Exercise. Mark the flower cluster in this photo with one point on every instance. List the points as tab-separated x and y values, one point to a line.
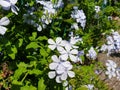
79	16
113	43
62	69
61	66
112	70
50	9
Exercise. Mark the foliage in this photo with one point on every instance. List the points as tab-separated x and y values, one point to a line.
24	52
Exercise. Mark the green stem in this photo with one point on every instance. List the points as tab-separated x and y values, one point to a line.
24	77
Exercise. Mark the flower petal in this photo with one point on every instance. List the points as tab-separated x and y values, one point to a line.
60	49
55	58
5	4
50	41
71	74
51	74
64	76
3	30
58	40
58	80
74	51
60	69
53	66
13	1
64	56
73	58
66	64
52	47
14	9
4	21
67	47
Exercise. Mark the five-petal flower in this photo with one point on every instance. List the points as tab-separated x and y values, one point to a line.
55	44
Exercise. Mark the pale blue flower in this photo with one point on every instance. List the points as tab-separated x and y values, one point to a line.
9	4
3	22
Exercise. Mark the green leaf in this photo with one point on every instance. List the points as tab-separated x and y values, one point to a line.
15	82
41	38
19	42
33	37
43	52
33	45
21	69
69	21
28	87
35	71
41	85
12	51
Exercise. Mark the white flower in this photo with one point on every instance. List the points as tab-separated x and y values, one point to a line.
56	44
97	9
3	22
111	69
68	52
118	73
111	65
67	73
9	4
39	28
61	69
92	54
65	83
104	48
58	63
90	86
51	74
79	16
110	73
109	40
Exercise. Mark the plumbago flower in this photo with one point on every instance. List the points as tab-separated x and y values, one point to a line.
61	69
111	69
118	73
90	86
9	4
68	52
56	44
3	22
79	16
48	11
92	54
113	43
97	9
73	40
